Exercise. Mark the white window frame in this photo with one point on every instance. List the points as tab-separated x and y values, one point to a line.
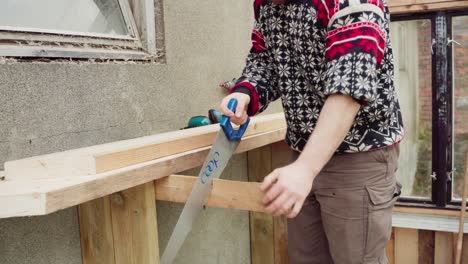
140	45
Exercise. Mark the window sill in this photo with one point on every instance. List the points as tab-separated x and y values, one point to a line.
72	52
427	219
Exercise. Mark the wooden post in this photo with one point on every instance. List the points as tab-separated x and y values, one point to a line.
443	248
120	228
282	155
261	224
406	245
390	248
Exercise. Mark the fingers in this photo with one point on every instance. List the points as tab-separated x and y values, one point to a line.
286	207
296	209
272	193
238	118
269	180
224	107
283	204
277	204
240	109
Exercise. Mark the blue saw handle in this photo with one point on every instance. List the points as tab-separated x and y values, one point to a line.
232	134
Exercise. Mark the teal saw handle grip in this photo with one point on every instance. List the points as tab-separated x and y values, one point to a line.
230	133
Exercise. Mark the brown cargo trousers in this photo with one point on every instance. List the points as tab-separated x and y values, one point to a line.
347	218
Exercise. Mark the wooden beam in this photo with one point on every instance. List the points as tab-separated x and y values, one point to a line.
393	3
414	6
406	245
120	228
116	155
97	242
390	248
443	248
426	239
425	211
49	195
282	155
261	224
225	193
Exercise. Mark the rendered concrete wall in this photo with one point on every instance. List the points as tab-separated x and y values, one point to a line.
50	107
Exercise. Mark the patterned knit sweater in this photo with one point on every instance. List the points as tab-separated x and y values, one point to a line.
306	50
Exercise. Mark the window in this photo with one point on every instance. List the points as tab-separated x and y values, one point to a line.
460	81
107	29
413	69
431	76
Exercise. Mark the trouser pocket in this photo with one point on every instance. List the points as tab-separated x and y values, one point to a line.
382	198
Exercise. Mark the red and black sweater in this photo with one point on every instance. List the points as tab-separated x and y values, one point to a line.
306	50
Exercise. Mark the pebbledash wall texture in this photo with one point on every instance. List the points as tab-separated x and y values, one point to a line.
50	107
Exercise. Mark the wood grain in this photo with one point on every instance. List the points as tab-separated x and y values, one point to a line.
282	155
426	246
97	242
134	225
261	225
224	194
427	6
120	228
45	196
115	155
406	246
390	248
443	253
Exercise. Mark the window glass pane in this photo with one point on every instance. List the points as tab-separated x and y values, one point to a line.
411	42
460	102
80	16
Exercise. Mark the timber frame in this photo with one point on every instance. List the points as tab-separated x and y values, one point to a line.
116	185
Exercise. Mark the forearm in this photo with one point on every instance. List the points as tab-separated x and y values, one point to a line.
336	118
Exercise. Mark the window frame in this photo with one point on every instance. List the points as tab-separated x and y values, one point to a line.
442	99
140	45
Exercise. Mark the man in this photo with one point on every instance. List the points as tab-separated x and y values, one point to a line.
331	63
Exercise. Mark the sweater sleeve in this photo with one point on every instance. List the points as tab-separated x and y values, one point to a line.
355	43
258	78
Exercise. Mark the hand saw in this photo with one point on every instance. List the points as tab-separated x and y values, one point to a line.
224	146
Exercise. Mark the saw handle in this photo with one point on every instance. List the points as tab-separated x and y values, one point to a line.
232	134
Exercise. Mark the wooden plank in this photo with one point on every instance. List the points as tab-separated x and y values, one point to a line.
390	248
426	246
134	225
393	3
115	155
406	246
427	7
120	228
443	252
261	225
261	238
280	230
225	193
465	249
97	243
426	211
282	155
50	195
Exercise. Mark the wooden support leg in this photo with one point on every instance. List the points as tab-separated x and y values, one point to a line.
443	248
282	155
390	248
261	224
120	228
406	245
